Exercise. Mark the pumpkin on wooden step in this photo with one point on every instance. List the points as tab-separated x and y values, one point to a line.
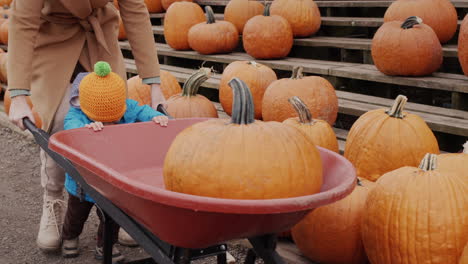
267	36
383	140
122	33
456	162
240	157
238	12
408	48
7	104
463	45
4	32
189	103
179	18
316	92
141	92
331	234
421	213
440	15
319	131
213	36
257	77
3	67
464	256
302	15
154	6
167	3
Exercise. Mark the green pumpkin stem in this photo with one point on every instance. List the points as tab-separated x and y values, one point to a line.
305	117
243	111
429	162
210	18
194	81
410	22
297	72
266	11
358	182
397	109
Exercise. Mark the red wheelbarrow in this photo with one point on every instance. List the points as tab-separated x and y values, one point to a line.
120	167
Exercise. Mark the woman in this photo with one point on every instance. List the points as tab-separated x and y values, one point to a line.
50	41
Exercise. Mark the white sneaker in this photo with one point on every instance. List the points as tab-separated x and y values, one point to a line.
125	239
50	228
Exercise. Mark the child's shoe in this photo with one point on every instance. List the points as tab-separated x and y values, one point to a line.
117	257
70	248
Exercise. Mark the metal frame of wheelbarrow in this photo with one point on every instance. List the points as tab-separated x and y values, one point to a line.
160	251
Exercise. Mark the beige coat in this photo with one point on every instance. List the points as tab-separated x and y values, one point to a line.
48	37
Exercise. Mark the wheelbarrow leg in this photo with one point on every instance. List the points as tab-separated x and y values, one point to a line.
107	238
265	248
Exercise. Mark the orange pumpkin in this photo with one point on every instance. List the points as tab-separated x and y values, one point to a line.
141	92
463	45
189	103
7	104
122	33
179	18
3	67
116	4
421	213
440	15
410	48
167	3
213	36
238	12
154	6
242	157
267	37
319	131
302	15
257	77
317	93
4	32
464	257
456	162
332	234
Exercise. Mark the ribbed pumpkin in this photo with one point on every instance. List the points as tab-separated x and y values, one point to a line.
319	131
463	45
456	162
440	15
3	67
7	104
239	159
189	103
238	12
302	15
331	234
416	215
154	6
4	32
213	36
464	257
122	33
408	48
383	140
267	37
179	18
167	3
316	92
141	92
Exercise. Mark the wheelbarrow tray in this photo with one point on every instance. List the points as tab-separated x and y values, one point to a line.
124	163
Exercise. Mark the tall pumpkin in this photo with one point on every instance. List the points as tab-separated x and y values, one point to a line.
241	157
383	140
316	92
238	12
319	131
7	104
302	15
189	103
267	37
167	3
408	48
420	213
141	92
179	18
331	234
213	36
154	6
257	77
440	15
463	45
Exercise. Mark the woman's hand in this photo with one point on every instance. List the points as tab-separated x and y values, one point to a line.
162	120
157	97
20	109
96	126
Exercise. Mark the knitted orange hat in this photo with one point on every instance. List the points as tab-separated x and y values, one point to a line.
103	94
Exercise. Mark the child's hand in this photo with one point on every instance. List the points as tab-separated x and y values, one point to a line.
96	126
162	120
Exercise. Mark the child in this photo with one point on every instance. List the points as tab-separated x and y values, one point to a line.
102	99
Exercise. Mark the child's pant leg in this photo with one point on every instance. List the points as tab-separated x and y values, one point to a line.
114	227
75	218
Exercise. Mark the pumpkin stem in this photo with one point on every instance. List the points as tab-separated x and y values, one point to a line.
297	72
210	18
429	162
397	109
411	21
305	116
266	11
465	148
243	112
253	63
194	81
359	182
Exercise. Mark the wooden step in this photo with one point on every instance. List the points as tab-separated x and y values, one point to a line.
439	119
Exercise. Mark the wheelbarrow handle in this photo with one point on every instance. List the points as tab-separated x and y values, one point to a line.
160	108
29	125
